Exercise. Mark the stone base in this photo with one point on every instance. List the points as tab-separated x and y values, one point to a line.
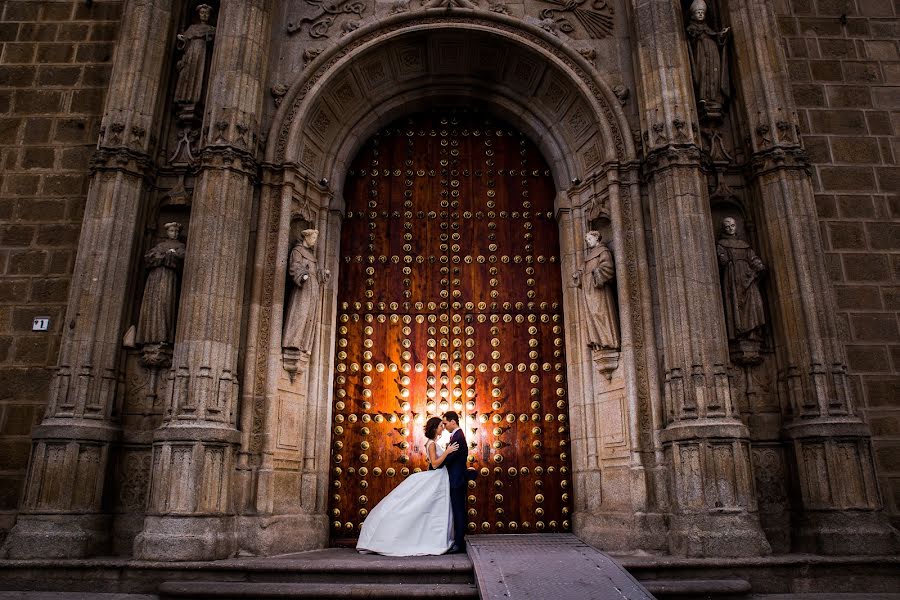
57	536
621	532
717	535
173	538
845	533
269	535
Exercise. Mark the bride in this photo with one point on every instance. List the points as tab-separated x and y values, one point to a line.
415	518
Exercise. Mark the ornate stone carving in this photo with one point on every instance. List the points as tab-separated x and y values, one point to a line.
605	361
597	20
399	6
310	55
278	91
745	317
595	279
156	323
349	27
115	134
622	94
762	132
709	63
302	308
194	41
310	82
185	147
321	22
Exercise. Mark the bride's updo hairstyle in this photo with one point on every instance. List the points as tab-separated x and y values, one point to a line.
431	427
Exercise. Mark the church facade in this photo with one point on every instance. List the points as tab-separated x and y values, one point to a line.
647	249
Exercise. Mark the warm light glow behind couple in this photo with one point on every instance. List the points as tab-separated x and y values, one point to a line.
426	513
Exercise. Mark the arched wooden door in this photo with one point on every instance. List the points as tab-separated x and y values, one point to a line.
450	298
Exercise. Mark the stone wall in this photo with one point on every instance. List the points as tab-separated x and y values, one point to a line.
54	66
844	62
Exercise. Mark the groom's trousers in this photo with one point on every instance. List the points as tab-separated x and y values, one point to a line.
458	508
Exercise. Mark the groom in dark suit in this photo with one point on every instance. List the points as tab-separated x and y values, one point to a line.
459	477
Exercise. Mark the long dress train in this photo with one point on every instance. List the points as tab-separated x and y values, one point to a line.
414	519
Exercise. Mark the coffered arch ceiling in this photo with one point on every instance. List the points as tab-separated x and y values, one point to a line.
489	62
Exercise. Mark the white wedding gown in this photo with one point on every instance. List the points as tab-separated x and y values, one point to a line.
413	520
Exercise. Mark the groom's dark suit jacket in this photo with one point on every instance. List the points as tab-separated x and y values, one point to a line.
456	462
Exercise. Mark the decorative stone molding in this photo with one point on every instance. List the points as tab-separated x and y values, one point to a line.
135	163
664	158
780	158
229	158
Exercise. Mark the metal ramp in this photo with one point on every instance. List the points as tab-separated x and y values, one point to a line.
548	567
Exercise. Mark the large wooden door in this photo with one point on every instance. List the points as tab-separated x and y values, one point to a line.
450	298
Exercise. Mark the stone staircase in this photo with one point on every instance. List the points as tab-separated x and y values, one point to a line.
342	573
333	574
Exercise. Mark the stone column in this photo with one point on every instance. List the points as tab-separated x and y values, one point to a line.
191	514
839	504
61	513
713	503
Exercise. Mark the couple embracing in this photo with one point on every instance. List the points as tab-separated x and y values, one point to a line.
426	513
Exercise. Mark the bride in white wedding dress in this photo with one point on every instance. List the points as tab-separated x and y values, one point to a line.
415	518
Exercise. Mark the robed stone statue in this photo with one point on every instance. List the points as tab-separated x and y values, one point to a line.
741	270
194	41
156	323
303	303
595	280
709	62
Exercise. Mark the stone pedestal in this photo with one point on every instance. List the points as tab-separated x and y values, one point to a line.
192	513
62	514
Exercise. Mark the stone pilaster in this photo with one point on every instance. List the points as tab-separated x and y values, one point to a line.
712	501
839	505
61	513
191	514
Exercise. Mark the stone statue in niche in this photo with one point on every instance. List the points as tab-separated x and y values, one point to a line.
300	314
595	280
156	323
741	270
194	41
709	63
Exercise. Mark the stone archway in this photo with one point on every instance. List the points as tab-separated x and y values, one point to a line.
404	65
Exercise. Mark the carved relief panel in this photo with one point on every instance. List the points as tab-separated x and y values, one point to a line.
450	298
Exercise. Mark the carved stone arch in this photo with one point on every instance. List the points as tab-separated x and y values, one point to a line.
564	106
405	64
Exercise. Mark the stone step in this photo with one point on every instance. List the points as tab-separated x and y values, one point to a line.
218	590
664	589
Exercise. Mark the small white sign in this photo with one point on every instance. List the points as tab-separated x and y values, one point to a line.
40	324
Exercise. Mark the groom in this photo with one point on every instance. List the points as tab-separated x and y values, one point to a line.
458	475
